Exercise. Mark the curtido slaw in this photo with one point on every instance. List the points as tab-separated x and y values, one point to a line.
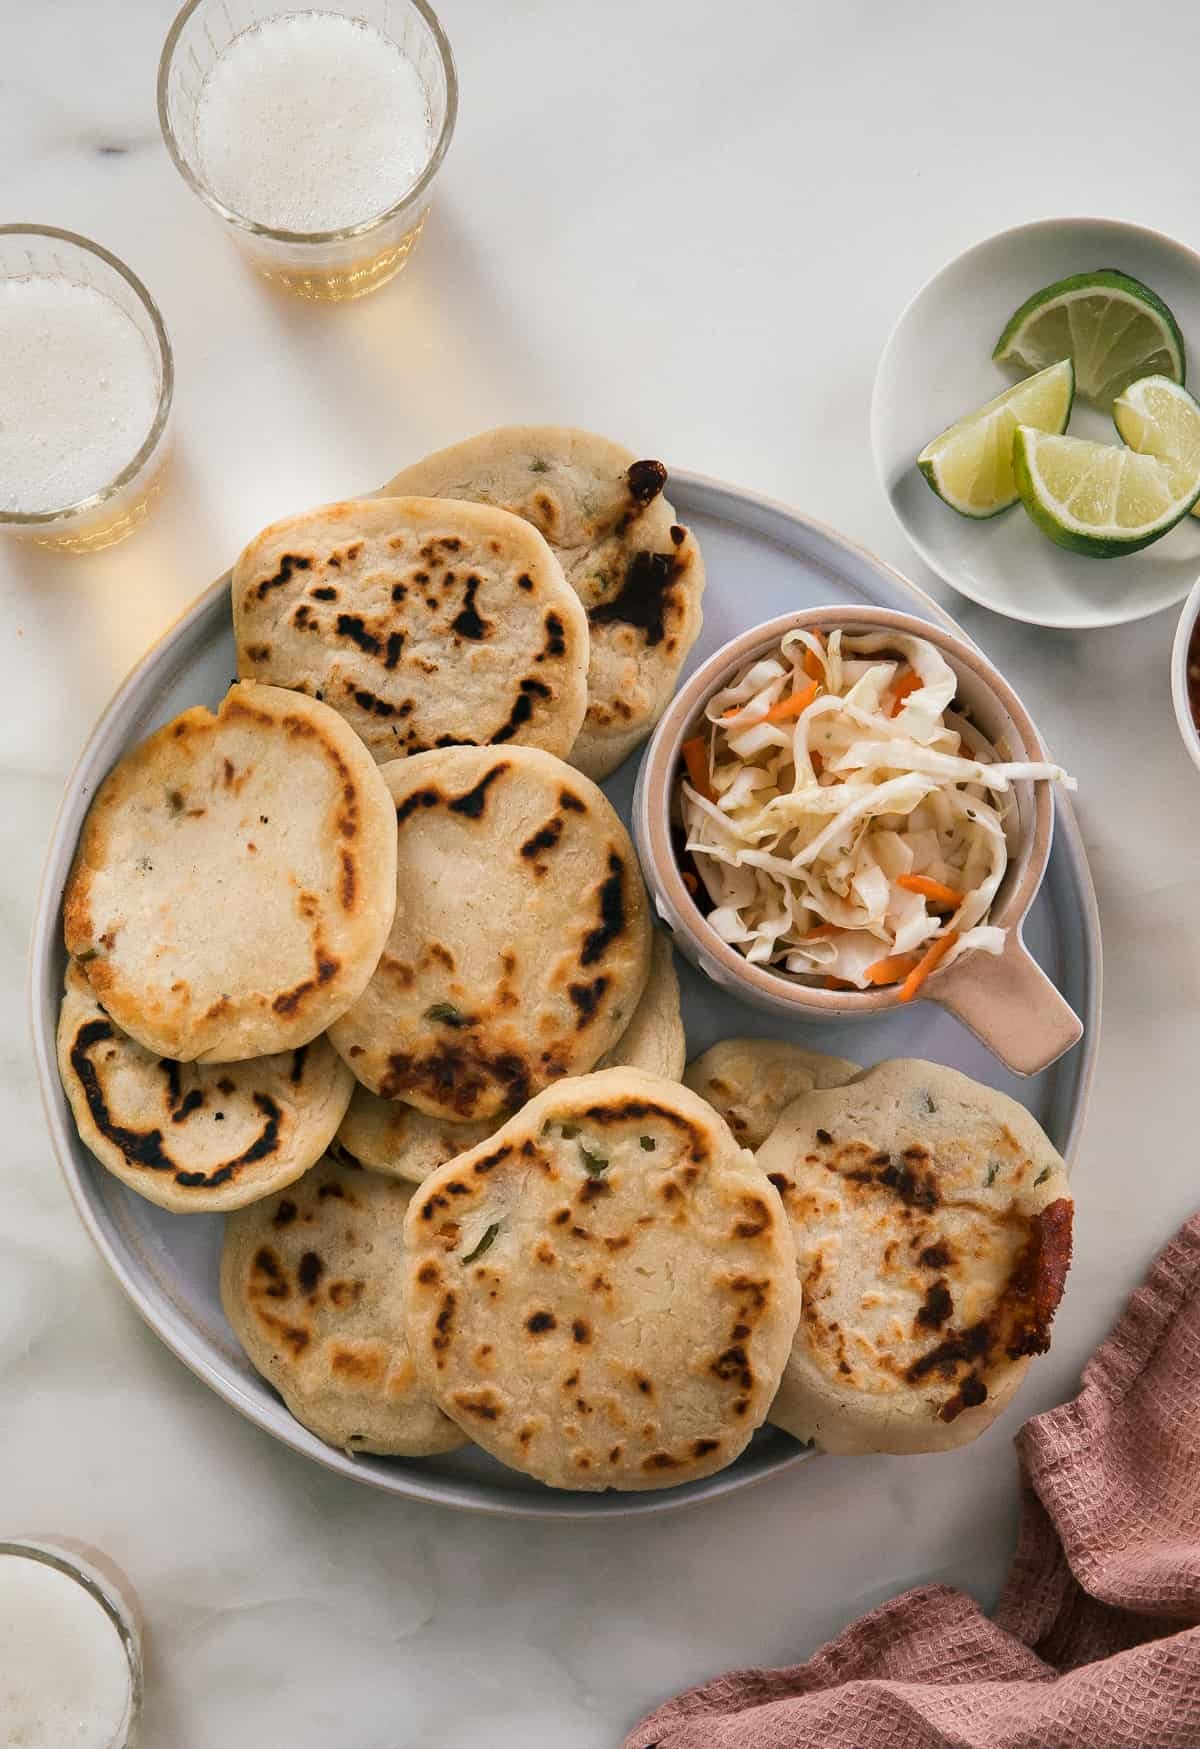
845	832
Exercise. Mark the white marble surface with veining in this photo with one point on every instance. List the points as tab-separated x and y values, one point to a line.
691	226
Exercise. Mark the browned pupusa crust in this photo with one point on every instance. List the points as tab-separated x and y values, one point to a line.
750	1081
387	1135
604	1292
425	623
235	879
932	1221
637	571
196	1139
312	1283
521	941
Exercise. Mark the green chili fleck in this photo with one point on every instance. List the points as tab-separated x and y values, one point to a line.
990	1176
484	1244
595	1165
447	1013
648	1144
1041	1177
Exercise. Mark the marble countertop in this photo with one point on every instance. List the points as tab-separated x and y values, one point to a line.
690	227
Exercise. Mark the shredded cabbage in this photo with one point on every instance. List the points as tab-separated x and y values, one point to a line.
851	833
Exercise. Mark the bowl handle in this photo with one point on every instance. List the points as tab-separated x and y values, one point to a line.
1010	1004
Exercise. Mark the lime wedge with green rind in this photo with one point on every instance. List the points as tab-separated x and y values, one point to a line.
970	465
1112	327
1095	498
1161	418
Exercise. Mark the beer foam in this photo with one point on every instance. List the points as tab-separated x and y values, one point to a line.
64	1673
78	392
310	122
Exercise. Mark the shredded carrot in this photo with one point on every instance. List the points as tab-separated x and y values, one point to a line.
812	666
902	688
818	764
936	891
794	706
929	962
690	881
892	969
781	712
695	757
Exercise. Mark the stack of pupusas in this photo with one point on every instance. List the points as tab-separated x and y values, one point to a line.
932	1222
343	929
364	960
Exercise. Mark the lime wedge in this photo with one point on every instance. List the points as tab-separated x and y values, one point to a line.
970	465
1114	329
1159	417
1095	498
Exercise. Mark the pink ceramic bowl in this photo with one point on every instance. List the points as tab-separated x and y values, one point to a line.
1006	1000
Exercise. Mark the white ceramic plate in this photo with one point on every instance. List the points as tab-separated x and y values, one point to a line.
937	366
1188	728
761	560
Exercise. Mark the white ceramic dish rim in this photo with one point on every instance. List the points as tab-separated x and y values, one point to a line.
180	1339
923	551
1189	733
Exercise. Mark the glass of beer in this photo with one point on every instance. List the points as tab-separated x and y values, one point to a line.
70	1650
315	134
85	390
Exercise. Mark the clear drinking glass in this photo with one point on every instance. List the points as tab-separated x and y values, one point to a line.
335	264
95	1575
29	255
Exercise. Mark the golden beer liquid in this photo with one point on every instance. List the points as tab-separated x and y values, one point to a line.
337	283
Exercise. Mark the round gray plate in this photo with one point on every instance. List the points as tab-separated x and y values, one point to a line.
762	560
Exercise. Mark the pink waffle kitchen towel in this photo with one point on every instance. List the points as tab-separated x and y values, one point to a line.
1096	1642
